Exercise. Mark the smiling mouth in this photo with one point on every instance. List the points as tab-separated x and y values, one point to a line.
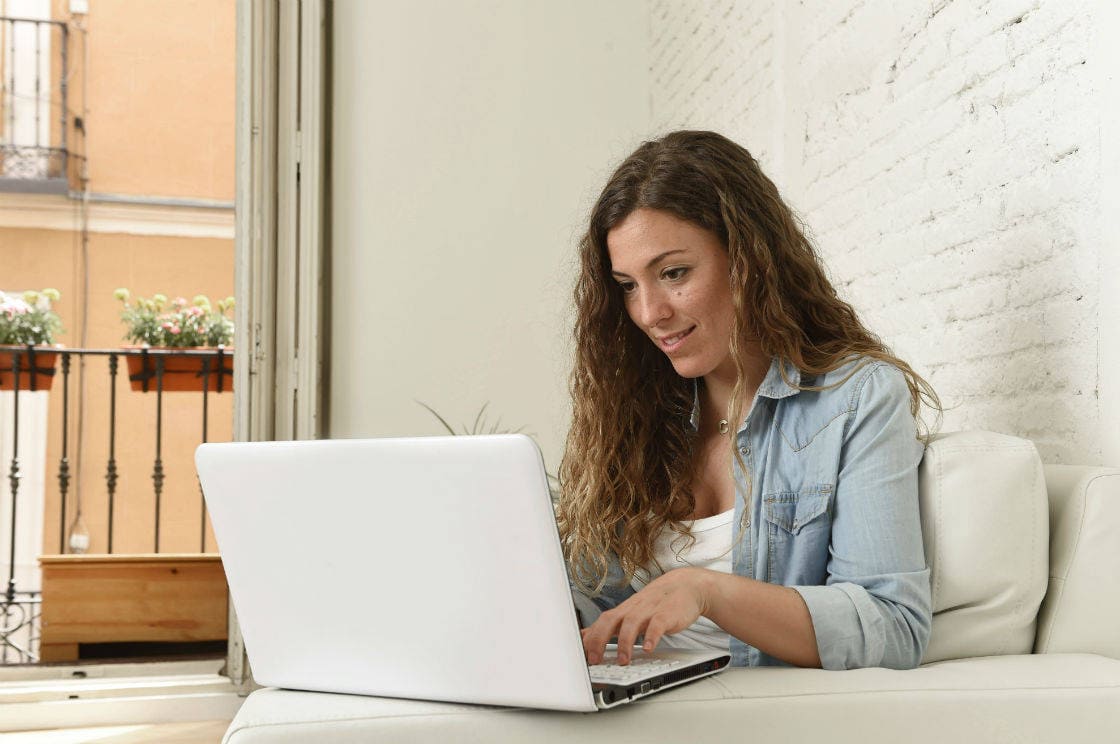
671	343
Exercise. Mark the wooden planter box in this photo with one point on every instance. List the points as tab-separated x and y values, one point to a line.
44	358
90	599
180	373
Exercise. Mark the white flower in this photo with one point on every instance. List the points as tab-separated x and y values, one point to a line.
13	306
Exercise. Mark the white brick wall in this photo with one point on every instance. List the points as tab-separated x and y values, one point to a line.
713	62
946	155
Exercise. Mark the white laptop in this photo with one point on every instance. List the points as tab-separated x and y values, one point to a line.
424	568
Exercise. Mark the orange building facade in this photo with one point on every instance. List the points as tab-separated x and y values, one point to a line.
143	201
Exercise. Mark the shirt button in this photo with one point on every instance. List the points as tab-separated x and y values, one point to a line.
745	450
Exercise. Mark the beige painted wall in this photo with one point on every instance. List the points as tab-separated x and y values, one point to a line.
146	265
464	164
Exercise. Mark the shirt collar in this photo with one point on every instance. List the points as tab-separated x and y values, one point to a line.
773	386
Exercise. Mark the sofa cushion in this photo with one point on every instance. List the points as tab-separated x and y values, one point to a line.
984	522
1082	606
1068	698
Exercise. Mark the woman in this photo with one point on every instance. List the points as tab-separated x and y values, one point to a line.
741	469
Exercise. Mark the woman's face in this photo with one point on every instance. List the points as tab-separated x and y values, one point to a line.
676	283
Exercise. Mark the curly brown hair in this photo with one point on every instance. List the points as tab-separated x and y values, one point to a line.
627	468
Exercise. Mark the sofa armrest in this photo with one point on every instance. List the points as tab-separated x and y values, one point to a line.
1082	601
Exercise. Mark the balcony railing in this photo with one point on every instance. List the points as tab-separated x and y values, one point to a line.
34	70
154	371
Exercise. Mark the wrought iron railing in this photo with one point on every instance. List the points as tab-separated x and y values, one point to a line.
34	70
150	370
19	626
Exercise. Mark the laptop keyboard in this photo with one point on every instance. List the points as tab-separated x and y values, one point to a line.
637	669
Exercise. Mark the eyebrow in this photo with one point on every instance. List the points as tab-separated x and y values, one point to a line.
653	260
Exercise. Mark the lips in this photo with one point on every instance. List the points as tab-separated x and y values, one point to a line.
673	342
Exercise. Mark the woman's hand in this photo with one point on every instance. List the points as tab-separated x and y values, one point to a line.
668	604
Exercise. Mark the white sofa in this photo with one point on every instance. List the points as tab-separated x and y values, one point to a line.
1025	644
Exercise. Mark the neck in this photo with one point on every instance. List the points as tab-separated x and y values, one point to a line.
715	402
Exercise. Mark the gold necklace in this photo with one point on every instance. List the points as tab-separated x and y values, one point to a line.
723	426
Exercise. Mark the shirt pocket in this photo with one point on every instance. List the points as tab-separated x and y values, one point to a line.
799	529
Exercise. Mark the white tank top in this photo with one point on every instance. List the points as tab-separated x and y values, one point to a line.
712	550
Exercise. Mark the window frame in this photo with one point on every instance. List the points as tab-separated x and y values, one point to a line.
282	242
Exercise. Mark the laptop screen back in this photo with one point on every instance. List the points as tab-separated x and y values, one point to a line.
421	568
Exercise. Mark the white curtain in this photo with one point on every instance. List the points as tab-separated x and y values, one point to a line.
33	468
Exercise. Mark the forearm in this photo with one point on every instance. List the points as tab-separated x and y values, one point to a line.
774	619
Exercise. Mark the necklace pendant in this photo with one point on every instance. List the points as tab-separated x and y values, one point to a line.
723	427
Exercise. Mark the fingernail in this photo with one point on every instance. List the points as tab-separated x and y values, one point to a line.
647	646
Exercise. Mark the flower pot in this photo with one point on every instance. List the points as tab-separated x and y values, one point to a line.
181	373
36	366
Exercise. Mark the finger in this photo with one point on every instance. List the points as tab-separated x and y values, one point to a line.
597	635
654	631
628	632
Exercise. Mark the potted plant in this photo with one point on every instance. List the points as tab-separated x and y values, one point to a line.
482	426
27	329
154	323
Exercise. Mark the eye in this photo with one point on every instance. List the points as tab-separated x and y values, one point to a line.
674	273
626	287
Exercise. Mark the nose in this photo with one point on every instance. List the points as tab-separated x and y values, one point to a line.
650	307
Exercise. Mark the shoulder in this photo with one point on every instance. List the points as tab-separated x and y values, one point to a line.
840	396
858	382
816	420
840	414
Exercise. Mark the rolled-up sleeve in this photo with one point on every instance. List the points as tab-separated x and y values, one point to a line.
615	591
875	607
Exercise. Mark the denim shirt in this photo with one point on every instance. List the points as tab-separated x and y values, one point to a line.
832	513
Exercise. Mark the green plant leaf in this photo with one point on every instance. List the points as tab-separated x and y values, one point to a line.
441	419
